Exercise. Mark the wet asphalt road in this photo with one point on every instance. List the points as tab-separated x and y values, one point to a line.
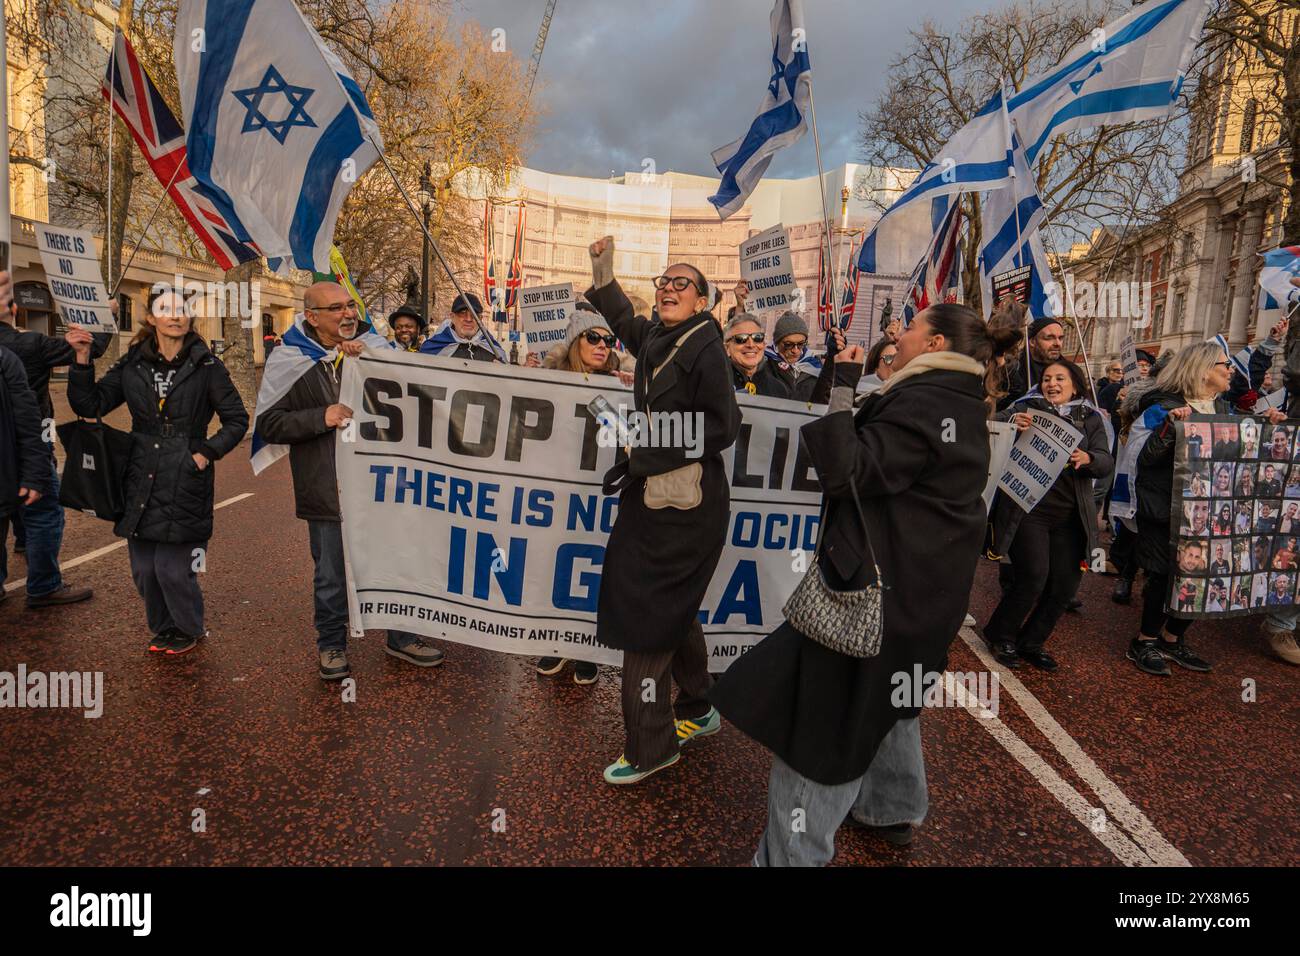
483	762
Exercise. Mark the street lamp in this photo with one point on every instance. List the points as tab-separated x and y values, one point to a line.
426	207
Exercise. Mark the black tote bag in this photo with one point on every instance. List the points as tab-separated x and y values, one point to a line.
95	470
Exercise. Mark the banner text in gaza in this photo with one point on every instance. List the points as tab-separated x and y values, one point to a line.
529	419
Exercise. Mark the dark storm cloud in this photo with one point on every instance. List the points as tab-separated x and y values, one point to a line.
623	80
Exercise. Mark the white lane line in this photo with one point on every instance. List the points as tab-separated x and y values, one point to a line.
108	548
1118	806
1124	849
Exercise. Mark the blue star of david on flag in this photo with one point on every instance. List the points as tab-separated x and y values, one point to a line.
273	83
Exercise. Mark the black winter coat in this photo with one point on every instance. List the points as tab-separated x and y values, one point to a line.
1006	515
825	713
42	353
1155	481
168	499
769	379
298	420
658	563
24	457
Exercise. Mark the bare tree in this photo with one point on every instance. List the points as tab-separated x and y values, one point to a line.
944	78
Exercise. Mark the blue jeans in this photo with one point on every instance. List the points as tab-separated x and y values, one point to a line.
802	815
44	524
330	592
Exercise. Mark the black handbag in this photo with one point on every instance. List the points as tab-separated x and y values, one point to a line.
94	473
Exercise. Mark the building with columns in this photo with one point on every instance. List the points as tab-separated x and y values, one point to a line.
1196	268
659	219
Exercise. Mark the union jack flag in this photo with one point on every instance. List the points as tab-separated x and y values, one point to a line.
162	141
825	304
489	257
850	298
935	278
515	275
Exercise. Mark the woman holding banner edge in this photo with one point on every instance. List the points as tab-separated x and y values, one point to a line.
673	515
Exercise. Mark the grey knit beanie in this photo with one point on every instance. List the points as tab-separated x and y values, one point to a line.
580	321
789	324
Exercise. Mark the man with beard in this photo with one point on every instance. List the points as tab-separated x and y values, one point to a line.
1046	339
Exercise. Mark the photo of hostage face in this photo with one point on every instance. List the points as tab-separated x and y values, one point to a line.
1279	446
1191	557
1196	517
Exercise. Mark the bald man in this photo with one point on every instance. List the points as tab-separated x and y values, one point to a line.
306	419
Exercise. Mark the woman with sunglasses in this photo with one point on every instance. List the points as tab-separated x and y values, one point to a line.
673	514
1192	383
751	371
589	349
880	365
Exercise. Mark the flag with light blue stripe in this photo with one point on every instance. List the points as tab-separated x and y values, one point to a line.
1012	218
781	118
277	130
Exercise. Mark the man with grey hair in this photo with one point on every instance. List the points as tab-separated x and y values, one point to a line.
306	418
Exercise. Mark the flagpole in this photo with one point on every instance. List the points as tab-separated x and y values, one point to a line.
826	218
6	220
108	215
145	231
410	204
1020	245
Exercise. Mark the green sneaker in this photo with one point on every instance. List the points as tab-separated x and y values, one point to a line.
710	723
620	772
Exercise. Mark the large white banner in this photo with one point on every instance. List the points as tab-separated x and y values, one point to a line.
472	506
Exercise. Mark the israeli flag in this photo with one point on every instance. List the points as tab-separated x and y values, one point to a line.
978	157
446	341
1280	277
781	115
277	130
1011	220
286	364
1129	70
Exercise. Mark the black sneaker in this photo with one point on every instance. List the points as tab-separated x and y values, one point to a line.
1180	655
159	643
899	834
584	672
1148	658
1075	606
180	644
548	666
1040	659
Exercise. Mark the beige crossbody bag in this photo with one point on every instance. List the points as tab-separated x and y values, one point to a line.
679	488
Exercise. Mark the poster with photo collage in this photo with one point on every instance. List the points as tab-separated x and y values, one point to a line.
1235	520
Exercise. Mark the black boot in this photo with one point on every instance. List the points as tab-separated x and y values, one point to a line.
1123	592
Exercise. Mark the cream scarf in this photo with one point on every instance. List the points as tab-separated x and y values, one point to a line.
932	361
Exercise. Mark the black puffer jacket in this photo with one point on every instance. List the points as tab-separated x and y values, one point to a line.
770	379
24	457
168	499
41	353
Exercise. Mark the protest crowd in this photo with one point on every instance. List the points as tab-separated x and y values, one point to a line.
1172	471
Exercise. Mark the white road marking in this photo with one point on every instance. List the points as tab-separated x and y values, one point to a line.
1119	808
1124	849
109	548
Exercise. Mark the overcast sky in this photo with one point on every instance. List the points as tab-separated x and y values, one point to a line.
622	80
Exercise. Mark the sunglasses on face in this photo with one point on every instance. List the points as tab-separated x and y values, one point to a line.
743	337
593	337
789	345
678	283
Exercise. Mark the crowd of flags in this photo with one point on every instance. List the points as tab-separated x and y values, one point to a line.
277	131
